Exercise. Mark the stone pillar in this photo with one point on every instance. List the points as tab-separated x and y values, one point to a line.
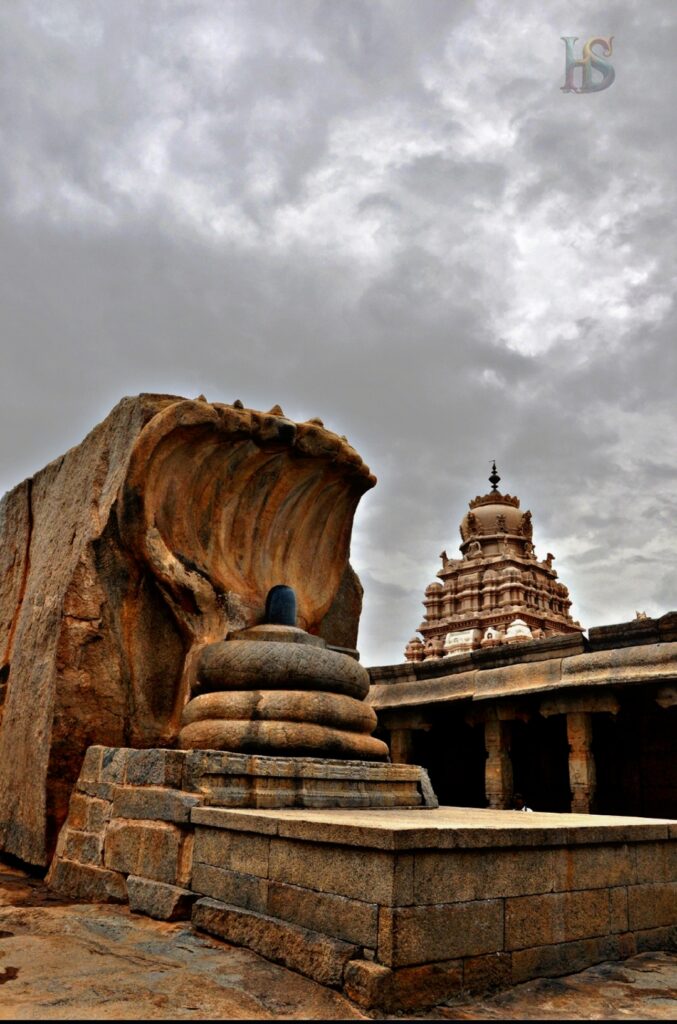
401	746
582	772
498	768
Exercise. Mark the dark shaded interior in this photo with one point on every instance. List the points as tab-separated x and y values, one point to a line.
540	762
453	754
636	757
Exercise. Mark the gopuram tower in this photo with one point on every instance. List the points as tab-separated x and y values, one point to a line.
498	592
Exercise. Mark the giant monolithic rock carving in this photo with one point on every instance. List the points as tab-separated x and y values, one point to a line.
135	574
183	706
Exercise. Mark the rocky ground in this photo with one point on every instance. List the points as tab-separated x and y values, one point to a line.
60	960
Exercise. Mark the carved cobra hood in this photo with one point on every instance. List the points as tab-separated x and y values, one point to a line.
223	502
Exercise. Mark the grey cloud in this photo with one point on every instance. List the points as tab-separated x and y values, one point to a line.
388	215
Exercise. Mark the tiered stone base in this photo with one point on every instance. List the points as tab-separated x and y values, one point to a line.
129	818
401	908
404	909
276	690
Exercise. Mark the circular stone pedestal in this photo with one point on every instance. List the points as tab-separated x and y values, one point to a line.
277	690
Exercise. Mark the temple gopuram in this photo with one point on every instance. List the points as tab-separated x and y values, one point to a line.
498	592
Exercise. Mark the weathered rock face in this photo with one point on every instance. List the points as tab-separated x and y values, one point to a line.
161	532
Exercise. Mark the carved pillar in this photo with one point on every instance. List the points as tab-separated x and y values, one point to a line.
498	768
401	746
582	772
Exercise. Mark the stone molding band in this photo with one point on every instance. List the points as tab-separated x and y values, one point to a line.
330	709
232	666
293	739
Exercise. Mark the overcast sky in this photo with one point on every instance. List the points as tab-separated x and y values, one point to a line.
386	214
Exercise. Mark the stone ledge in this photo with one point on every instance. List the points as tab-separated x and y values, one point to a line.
86	883
317	956
608	665
519	678
243	781
637	631
221	762
159	900
494	657
153	803
419	692
435	828
626	666
155	766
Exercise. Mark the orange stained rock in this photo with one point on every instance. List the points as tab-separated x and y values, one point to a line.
161	532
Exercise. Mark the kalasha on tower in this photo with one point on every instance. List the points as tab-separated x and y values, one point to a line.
497	592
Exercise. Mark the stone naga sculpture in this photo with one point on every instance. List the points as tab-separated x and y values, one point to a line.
124	560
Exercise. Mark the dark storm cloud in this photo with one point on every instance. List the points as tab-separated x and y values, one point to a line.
388	215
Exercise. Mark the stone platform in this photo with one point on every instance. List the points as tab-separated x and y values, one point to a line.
403	909
129	818
400	908
93	962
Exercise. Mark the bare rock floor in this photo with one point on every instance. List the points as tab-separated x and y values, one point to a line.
96	962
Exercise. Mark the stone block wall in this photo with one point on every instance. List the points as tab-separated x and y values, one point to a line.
128	836
412	920
400	908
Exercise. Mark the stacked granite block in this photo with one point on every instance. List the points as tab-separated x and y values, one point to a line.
404	910
401	907
128	836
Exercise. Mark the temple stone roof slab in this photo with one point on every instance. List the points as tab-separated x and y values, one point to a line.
642	665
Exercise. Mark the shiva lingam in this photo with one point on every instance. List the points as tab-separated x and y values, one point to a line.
276	689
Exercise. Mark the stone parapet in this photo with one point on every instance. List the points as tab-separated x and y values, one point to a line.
638	633
489	657
633	633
